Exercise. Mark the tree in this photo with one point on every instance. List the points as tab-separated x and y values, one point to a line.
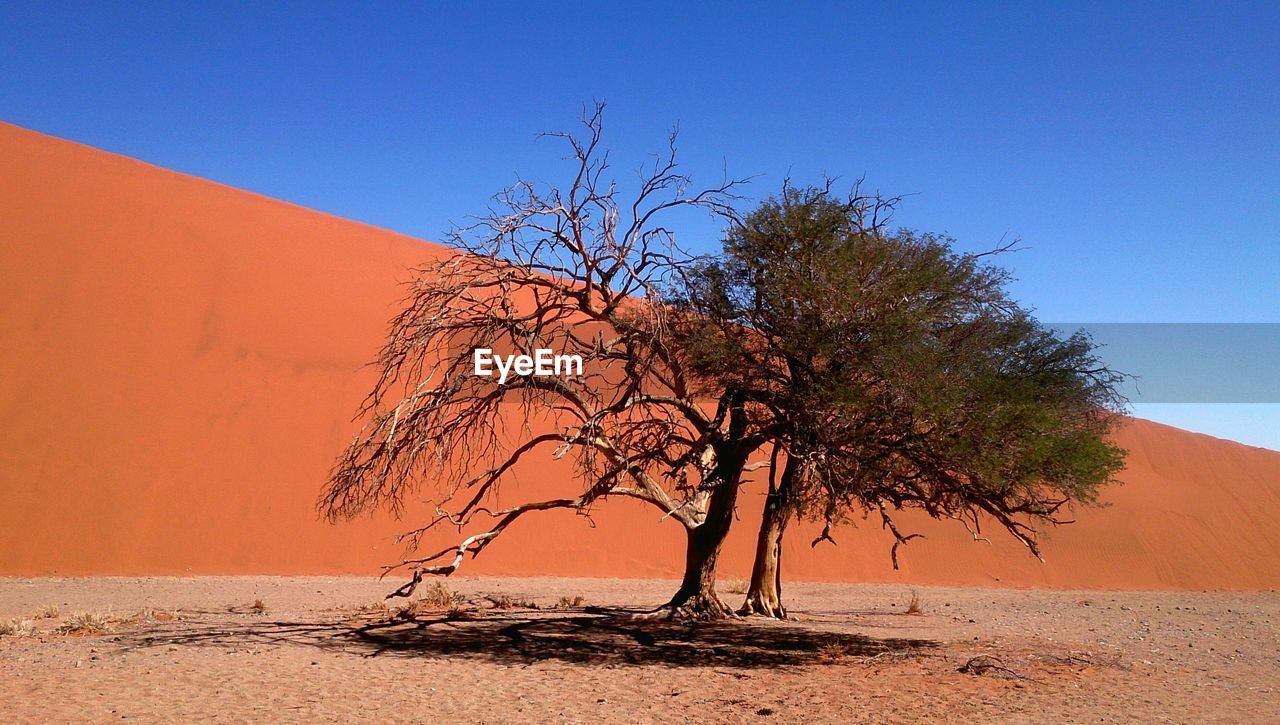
579	271
891	372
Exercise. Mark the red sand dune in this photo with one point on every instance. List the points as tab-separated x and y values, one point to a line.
179	361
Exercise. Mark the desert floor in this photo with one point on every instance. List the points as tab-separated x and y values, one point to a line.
304	649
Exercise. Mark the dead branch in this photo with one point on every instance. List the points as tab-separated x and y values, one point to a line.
575	269
982	664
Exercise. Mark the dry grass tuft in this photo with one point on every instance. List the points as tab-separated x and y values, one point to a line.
378	607
834	651
258	607
438	597
570	602
735	586
459	612
155	615
87	623
48	612
18	628
914	606
505	601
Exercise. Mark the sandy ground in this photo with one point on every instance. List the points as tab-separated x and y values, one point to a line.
323	649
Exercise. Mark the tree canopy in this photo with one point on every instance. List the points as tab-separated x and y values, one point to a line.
895	372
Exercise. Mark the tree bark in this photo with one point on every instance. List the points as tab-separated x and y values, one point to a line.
764	594
697	598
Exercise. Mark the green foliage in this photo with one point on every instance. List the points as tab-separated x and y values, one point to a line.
895	370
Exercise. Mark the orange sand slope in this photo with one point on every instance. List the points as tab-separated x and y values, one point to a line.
179	361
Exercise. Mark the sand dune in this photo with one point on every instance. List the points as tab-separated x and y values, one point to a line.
179	361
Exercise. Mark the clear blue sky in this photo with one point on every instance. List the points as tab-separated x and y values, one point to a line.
1135	148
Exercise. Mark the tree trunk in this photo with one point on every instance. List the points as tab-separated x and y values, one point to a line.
764	595
697	598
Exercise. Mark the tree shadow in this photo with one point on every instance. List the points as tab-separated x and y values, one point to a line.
522	638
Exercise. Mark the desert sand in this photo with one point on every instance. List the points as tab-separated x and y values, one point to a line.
180	362
320	648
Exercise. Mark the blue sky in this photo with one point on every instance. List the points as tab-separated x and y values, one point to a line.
1134	148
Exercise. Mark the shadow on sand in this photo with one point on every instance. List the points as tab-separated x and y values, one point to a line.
521	638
